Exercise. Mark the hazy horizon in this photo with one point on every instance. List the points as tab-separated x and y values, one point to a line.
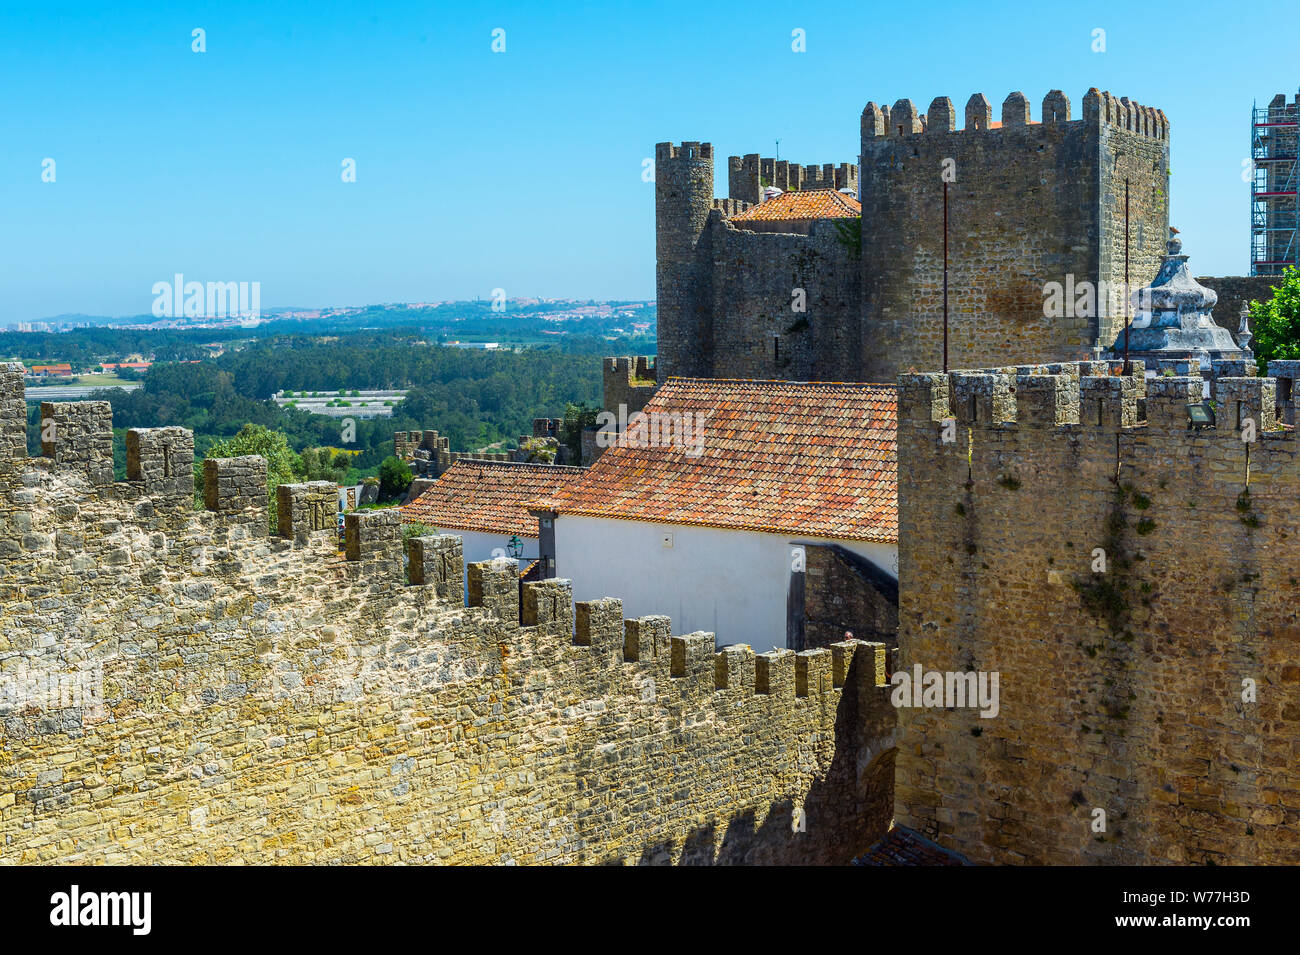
519	170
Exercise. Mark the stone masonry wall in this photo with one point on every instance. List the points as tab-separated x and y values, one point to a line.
748	175
1235	291
629	381
1134	146
429	455
757	334
683	278
725	294
180	687
1029	203
843	592
1121	688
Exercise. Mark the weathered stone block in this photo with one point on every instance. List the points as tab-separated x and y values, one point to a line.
373	535
494	586
646	638
305	510
548	602
13	412
438	561
162	459
79	434
692	658
236	489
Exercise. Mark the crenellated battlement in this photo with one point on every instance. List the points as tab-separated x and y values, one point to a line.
632	369
629	382
730	207
1128	542
355	684
1103	395
688	150
430	454
1098	109
1035	196
748	175
407	443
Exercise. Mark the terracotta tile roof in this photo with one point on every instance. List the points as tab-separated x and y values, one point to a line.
903	846
474	496
814	459
807	204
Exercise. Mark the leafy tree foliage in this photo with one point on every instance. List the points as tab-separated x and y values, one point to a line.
256	439
394	478
475	398
578	417
1276	323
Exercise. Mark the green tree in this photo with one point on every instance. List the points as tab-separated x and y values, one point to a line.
578	417
322	464
1276	323
394	478
281	462
537	450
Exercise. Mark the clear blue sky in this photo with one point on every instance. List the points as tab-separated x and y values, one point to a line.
522	170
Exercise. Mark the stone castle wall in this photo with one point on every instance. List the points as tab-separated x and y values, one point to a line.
726	295
429	454
1134	162
1235	291
683	253
1120	690
843	593
756	331
178	686
1029	203
748	175
629	381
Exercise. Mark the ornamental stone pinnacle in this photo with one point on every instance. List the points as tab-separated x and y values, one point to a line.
1175	317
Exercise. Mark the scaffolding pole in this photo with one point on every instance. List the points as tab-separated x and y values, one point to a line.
1274	202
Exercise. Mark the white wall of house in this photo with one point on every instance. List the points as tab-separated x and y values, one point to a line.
731	583
481	545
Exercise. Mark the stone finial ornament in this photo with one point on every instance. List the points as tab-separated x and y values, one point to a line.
1243	330
1175	316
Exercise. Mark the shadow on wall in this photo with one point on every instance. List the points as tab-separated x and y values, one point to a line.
824	830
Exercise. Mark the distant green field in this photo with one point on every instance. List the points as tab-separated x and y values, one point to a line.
100	381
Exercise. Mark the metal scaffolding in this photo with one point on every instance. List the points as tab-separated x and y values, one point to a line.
1274	213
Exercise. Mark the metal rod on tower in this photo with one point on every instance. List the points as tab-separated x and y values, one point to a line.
945	276
1128	294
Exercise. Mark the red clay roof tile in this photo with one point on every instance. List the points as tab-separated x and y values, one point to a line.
816	459
810	204
904	847
474	496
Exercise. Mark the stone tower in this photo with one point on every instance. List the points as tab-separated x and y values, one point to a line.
1035	202
1032	203
683	198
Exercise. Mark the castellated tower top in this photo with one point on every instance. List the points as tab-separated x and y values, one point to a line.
749	175
1099	108
687	150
